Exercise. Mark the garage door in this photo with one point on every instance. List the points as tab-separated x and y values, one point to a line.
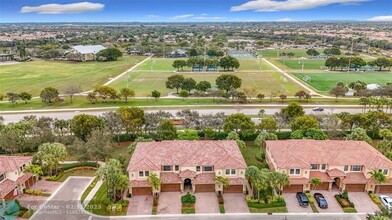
355	187
233	189
205	188
384	189
293	188
138	191
323	186
170	187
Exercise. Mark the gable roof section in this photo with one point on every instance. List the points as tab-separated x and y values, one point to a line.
12	163
153	155
332	152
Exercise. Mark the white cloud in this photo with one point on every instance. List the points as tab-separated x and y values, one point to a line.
204	14
381	18
289	5
72	8
208	18
284	19
182	16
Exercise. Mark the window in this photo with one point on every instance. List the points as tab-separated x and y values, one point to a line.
314	166
141	173
295	171
146	173
167	168
230	171
384	171
346	168
356	168
197	168
323	166
208	168
2	177
176	168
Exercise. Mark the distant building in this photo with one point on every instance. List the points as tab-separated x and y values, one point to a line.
178	53
85	53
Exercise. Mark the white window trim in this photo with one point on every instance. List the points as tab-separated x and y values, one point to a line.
295	173
318	166
199	168
212	168
163	168
382	170
352	168
230	172
321	167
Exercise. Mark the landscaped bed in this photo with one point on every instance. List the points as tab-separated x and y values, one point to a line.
277	205
101	205
345	203
188	204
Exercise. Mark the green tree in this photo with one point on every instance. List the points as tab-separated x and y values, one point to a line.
251	173
184	94
49	155
12	97
13	136
166	130
312	52
126	92
109	54
262	137
105	92
174	82
233	136
379	178
228	82
332	63
229	62
203	86
132	118
179	64
156	95
381	62
315	182
188	84
154	181
188	134
97	147
25	96
239	123
292	111
279	180
304	123
359	134
112	175
71	90
82	125
34	169
222	180
300	94
338	91
268	124
193	52
48	94
1	97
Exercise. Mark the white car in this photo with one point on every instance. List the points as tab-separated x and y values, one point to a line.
386	201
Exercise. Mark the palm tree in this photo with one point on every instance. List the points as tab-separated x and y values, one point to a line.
379	177
279	180
221	180
250	174
315	182
35	170
364	101
122	183
154	181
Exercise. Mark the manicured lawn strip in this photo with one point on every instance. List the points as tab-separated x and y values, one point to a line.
96	207
350	210
296	64
188	210
314	208
269	210
33	76
222	208
85	172
74	165
274	53
28	214
252	155
88	190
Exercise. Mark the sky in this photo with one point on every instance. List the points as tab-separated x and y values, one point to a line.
192	10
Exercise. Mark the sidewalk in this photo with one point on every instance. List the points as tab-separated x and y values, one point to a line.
92	193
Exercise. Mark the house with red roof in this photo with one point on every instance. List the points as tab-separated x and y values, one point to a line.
12	178
343	165
187	166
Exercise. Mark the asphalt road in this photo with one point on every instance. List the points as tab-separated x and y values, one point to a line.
68	114
64	205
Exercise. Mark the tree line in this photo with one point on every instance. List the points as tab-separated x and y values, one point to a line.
357	63
227	63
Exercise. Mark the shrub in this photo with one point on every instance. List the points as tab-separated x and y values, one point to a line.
155	202
34	192
188	199
105	201
345	194
118	207
374	198
344	202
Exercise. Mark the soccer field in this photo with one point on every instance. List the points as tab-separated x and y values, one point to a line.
143	82
275	52
324	82
307	64
33	76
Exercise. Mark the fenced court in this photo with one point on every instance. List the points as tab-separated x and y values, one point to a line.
240	54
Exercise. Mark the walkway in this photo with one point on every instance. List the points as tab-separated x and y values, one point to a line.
92	193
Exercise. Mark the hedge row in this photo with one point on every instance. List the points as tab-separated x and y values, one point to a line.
74	165
281	203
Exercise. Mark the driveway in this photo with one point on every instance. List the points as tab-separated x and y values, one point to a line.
169	203
293	206
47	186
31	201
206	203
140	205
333	205
362	202
235	203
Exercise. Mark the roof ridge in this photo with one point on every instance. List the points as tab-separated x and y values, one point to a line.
338	152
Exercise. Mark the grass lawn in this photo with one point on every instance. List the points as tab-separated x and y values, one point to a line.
33	76
269	210
296	64
76	173
326	81
275	52
349	210
88	190
265	82
188	210
251	153
96	207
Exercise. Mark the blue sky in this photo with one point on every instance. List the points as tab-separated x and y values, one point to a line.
192	10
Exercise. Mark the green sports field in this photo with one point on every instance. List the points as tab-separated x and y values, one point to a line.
307	64
324	82
275	52
33	76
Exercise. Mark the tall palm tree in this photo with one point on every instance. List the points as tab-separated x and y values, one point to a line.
315	182
250	174
35	170
379	177
122	183
221	180
154	181
279	180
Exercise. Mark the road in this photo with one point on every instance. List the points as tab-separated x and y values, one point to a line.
64	205
245	109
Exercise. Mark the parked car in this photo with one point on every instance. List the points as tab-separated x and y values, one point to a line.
386	201
302	199
318	109
321	201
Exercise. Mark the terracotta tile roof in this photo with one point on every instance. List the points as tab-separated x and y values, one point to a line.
294	161
357	177
23	178
12	163
324	177
205	178
300	180
6	187
237	181
335	172
139	183
170	177
220	154
331	152
187	174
